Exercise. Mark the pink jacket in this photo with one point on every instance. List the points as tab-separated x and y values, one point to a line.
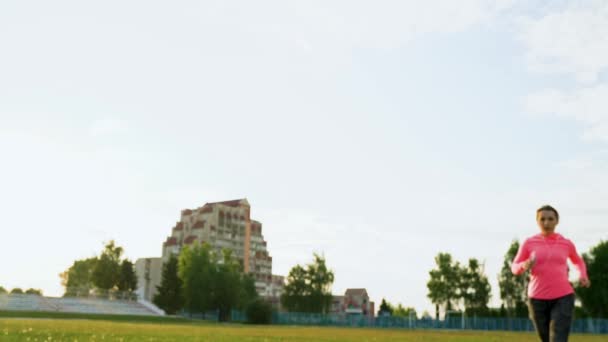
549	276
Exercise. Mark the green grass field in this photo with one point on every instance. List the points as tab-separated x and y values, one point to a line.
119	328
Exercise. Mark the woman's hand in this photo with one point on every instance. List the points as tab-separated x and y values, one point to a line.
585	282
529	264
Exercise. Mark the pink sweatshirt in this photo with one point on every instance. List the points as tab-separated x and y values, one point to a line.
549	276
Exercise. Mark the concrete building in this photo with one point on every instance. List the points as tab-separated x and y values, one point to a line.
226	225
353	302
273	292
148	272
275	287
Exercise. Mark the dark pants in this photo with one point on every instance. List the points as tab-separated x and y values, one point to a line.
552	318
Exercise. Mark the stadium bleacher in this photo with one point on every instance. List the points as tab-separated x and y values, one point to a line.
26	302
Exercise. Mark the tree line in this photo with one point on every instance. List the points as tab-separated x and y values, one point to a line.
452	285
18	290
200	279
388	309
101	275
456	287
196	281
308	287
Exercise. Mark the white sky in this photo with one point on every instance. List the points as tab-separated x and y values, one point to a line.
379	133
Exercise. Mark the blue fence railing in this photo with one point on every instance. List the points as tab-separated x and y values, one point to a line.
455	322
213	315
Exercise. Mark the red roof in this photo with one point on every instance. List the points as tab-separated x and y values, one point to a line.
178	226
171	241
355	292
205	209
189	239
199	224
208	207
231	203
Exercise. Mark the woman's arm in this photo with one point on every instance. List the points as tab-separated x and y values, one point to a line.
519	263
577	261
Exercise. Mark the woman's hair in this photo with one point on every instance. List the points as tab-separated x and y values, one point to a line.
548	208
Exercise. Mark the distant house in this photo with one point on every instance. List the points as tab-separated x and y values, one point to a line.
353	302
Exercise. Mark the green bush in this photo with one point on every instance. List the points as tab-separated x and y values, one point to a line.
34	292
259	312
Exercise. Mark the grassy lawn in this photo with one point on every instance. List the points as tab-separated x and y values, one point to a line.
54	329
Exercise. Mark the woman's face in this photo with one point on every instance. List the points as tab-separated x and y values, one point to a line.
547	220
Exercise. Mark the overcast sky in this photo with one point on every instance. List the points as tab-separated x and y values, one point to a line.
379	133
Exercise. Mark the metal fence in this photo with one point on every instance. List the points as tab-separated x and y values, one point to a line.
212	315
453	322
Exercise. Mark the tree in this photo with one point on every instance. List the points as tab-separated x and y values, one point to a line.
79	277
213	281
401	311
169	292
385	308
16	290
196	273
247	293
595	298
320	280
309	289
513	288
475	289
127	280
106	273
296	291
444	283
259	312
2	290
226	285
34	292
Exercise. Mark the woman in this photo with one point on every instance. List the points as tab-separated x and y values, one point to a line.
551	296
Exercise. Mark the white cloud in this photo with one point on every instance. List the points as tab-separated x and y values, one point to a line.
571	40
588	106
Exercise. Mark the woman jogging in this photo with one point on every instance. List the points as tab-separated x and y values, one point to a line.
551	297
